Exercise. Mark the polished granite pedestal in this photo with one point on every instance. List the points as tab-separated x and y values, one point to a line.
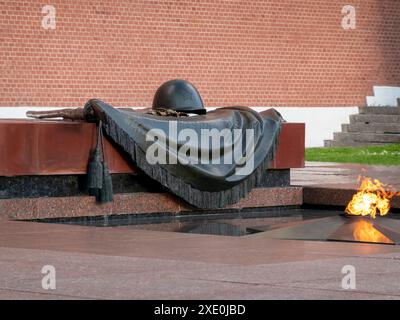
43	174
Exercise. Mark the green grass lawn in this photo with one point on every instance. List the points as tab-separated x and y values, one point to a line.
383	155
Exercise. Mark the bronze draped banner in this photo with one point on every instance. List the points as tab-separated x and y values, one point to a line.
213	184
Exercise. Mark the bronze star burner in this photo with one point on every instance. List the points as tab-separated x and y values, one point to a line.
381	230
364	219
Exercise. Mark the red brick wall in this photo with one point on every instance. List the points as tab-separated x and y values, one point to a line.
260	52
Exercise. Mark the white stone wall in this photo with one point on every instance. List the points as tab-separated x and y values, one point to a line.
384	97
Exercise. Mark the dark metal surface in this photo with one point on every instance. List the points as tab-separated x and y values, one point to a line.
203	184
342	228
178	95
359	230
71	114
228	222
316	229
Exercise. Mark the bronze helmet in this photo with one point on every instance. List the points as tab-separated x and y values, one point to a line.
179	95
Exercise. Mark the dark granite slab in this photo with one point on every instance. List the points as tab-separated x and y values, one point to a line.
75	185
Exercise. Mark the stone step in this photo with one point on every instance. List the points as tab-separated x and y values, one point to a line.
328	143
366	137
345	127
379	110
333	143
372	127
374	118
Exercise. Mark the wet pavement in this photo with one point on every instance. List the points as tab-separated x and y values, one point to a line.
126	263
132	263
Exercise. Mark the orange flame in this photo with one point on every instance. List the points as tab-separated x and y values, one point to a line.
365	232
371	198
